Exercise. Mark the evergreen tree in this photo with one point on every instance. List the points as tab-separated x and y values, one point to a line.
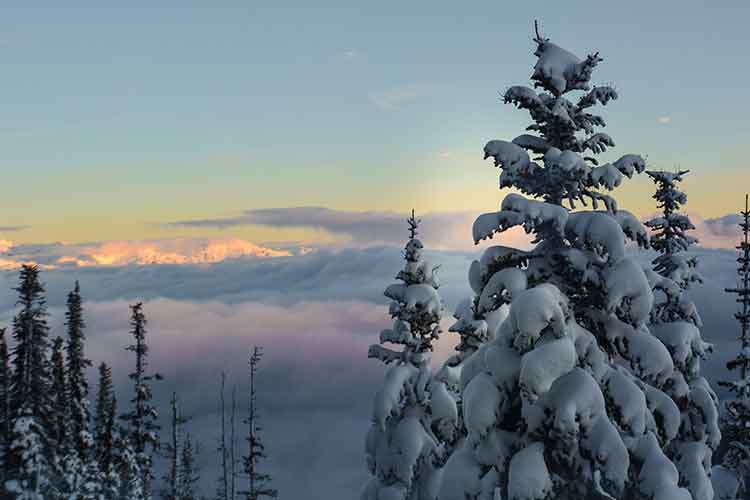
258	482
128	477
735	425
222	490
30	459
571	395
677	270
59	389
5	410
104	423
402	451
76	366
233	473
173	453
676	322
142	419
189	474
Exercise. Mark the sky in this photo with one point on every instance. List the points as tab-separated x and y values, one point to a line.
245	168
117	120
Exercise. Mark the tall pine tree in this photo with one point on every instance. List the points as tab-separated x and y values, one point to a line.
173	452
59	390
5	413
571	396
736	419
402	451
142	420
258	482
104	422
76	366
189	473
30	460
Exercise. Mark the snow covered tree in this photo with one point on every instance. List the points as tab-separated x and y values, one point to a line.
142	420
676	322
677	270
258	482
128	477
59	390
735	423
76	366
5	411
402	451
104	422
30	459
189	474
566	393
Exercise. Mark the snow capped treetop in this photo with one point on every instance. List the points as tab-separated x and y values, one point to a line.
564	129
416	307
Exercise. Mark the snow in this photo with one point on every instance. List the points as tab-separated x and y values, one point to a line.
596	231
628	291
557	69
626	402
507	155
461	475
501	288
540	367
389	396
504	364
482	401
416	298
533	311
725	483
529	477
658	477
517	210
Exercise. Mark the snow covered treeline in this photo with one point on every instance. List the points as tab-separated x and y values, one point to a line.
578	371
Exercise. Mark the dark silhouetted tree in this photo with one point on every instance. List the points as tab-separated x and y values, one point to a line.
258	482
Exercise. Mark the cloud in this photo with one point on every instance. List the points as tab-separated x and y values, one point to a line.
664	120
13	229
393	99
720	232
439	230
135	252
349	54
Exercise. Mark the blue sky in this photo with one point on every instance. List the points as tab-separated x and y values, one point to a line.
139	114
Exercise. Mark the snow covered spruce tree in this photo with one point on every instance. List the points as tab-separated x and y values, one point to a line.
76	365
402	449
5	412
30	461
142	419
735	423
676	322
571	396
676	269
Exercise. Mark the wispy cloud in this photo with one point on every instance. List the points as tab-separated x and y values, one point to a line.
664	120
13	229
349	54
393	99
